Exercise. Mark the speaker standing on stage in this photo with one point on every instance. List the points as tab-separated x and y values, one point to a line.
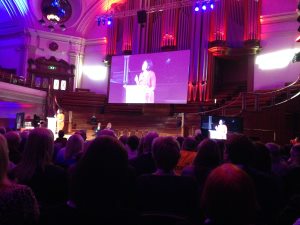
60	120
147	80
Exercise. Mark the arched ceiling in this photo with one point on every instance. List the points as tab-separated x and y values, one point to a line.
27	13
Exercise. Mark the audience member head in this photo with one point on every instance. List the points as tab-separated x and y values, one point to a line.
13	141
198	136
147	143
189	144
82	133
74	146
208	154
274	150
166	153
108	126
37	153
239	150
123	139
133	142
229	196
294	159
100	174
106	133
180	140
2	130
262	158
24	136
61	134
141	146
3	158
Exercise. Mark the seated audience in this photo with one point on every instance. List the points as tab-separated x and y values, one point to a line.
163	191
132	146
144	163
2	130
68	155
17	202
13	141
262	158
102	183
61	140
240	150
229	197
187	154
208	157
292	177
123	139
48	182
279	165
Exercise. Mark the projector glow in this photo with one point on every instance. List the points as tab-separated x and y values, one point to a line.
96	73
276	60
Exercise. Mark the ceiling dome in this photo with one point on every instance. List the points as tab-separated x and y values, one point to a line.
58	11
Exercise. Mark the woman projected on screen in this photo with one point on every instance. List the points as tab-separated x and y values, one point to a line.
147	80
221	129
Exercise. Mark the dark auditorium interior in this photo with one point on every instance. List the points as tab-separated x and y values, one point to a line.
150	112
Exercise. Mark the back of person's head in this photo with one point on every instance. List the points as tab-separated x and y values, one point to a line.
262	158
199	136
189	144
166	153
274	150
133	142
239	150
100	173
3	158
82	133
13	142
37	153
61	134
294	159
180	140
147	143
2	130
74	146
229	196
13	139
123	139
208	154
106	132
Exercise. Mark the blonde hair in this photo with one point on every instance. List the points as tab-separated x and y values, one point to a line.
3	157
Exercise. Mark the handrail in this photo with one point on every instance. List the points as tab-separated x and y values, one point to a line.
244	94
285	101
222	107
277	90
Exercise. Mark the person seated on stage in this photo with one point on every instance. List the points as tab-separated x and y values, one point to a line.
147	80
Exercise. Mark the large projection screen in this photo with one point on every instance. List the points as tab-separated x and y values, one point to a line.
150	78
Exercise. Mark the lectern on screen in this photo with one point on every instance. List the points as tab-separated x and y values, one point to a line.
150	78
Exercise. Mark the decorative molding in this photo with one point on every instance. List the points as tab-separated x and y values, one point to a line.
96	41
278	18
56	37
16	93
